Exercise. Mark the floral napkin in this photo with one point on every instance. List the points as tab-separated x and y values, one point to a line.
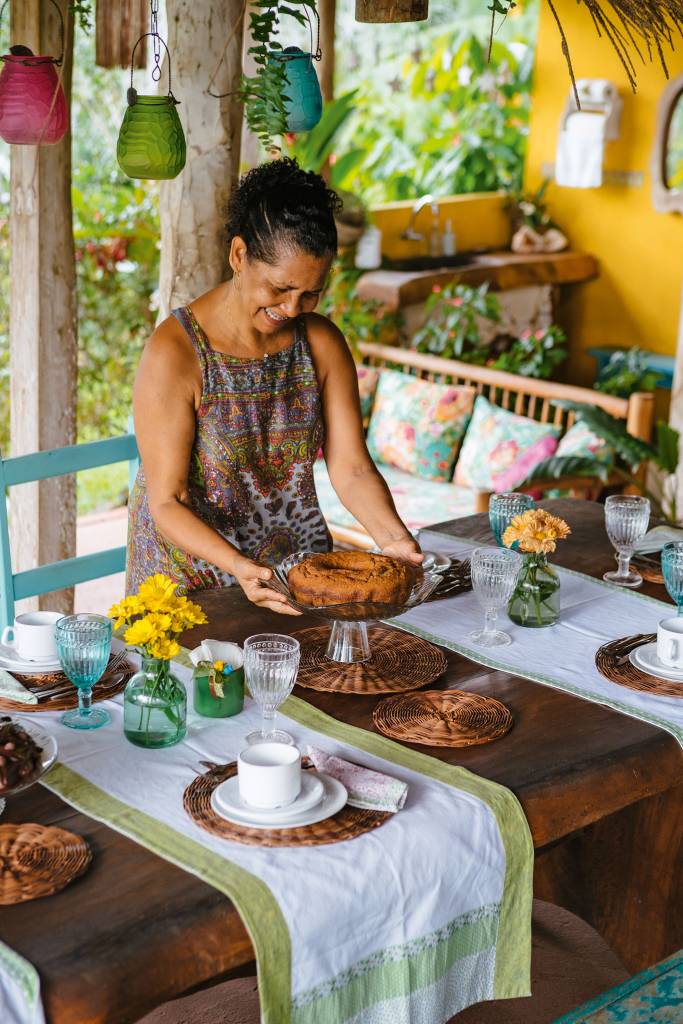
368	789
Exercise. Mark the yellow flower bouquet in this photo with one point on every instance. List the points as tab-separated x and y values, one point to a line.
155	702
535	600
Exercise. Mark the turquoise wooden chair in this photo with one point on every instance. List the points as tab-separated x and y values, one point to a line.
70	571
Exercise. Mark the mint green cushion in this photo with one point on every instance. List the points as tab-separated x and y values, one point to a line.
581	442
501	448
417	426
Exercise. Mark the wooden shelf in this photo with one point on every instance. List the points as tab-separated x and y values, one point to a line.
504	270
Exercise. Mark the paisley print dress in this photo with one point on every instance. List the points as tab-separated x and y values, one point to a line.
259	430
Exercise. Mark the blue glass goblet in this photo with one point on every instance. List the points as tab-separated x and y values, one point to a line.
84	645
502	510
672	570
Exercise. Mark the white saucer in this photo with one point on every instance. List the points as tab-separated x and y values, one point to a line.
228	800
10	660
435	562
645	658
334	798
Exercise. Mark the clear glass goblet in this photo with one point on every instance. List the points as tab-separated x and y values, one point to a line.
271	663
672	570
84	646
494	574
502	510
626	521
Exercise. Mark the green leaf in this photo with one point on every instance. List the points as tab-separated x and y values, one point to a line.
667	447
566	466
630	449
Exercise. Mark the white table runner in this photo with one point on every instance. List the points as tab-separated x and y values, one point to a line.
407	924
19	990
592	613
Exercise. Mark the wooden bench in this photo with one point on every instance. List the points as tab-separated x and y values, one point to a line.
525	396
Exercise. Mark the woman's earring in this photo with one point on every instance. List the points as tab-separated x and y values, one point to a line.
236	279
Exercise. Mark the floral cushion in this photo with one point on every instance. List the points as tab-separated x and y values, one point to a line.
368	377
501	448
417	426
581	442
419	502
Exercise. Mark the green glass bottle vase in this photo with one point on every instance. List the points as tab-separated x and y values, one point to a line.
535	600
154	706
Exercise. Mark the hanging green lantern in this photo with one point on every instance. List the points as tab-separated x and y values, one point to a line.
303	98
151	140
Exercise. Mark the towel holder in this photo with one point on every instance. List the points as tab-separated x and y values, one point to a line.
600	96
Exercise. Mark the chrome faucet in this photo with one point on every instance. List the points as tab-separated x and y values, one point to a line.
410	233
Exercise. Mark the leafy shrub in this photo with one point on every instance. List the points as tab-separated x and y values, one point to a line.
626	372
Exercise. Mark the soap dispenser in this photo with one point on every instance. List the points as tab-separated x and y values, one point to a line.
448	243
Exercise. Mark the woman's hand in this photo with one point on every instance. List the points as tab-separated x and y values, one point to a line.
251	576
407	548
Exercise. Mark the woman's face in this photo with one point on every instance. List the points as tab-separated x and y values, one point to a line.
274	293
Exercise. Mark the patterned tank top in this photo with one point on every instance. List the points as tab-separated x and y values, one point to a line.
259	430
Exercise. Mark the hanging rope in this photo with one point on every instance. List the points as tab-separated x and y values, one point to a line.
156	40
231	36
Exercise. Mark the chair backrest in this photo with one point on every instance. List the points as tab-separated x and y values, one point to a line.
526	396
70	571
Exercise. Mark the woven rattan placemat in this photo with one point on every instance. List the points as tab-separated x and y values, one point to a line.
613	661
66	697
399	662
38	860
649	567
443	718
345	824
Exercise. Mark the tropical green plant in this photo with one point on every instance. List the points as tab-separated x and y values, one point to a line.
534	353
530	209
358	319
313	149
630	455
626	372
265	92
454	315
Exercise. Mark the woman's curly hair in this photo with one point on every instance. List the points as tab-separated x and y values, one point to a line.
278	205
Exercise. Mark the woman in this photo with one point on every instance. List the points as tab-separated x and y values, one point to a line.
235	396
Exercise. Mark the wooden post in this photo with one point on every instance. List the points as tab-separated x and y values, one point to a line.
118	26
194	255
392	10
42	317
327	9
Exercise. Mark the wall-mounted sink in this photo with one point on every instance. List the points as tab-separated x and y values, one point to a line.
461	259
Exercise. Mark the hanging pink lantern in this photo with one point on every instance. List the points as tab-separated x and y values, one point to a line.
33	108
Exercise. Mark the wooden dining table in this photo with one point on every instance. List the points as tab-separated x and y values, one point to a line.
602	792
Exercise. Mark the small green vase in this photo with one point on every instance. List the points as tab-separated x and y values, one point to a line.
151	140
154	706
232	701
535	600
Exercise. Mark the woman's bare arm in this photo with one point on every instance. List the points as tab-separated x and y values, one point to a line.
360	487
166	396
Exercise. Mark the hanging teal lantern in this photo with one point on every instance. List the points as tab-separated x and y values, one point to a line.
303	98
151	140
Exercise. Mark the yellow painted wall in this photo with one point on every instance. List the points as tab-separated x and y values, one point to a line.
637	299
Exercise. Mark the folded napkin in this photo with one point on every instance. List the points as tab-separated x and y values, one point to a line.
655	539
370	790
12	689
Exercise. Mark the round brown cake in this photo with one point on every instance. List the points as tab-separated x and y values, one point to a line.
341	577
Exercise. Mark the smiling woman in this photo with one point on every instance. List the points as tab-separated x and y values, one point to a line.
235	396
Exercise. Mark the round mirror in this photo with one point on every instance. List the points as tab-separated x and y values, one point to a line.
673	154
667	154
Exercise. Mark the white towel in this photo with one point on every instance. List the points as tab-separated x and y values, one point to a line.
580	151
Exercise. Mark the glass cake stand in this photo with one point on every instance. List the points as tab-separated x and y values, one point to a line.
348	641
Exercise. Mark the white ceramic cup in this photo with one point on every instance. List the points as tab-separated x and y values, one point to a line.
32	637
670	641
269	774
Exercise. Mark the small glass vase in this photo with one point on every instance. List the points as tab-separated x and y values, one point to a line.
154	706
535	600
209	704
